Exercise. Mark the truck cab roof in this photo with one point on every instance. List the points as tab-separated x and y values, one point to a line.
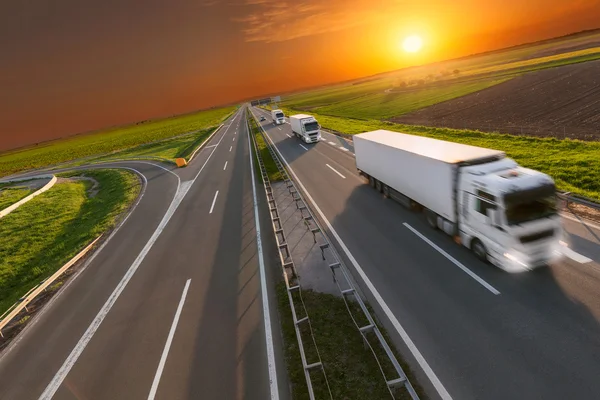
448	152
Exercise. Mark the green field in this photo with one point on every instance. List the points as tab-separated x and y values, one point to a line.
108	141
386	105
43	234
574	164
10	196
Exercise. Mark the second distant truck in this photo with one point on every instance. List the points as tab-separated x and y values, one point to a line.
305	127
278	117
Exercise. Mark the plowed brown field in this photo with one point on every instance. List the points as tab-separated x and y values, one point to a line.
558	102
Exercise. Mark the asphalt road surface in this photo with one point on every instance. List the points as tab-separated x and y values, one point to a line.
475	331
172	306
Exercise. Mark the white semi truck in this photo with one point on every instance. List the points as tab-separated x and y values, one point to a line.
278	117
305	127
506	214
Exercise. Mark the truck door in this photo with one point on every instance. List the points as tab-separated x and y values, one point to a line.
481	220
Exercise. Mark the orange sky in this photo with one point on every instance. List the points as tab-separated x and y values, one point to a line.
76	65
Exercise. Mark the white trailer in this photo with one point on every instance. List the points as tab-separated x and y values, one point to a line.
505	213
278	117
305	127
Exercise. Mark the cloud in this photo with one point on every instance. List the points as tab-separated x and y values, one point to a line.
279	21
208	3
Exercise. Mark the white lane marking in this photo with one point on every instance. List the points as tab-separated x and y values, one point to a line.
288	135
279	128
213	203
344	149
182	190
230	147
208	147
323	139
333	143
303	147
234	139
576	256
165	353
334	170
225	167
454	261
386	309
263	288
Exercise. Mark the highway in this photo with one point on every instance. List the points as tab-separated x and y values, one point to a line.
173	306
471	331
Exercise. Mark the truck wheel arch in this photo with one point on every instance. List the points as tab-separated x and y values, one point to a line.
479	249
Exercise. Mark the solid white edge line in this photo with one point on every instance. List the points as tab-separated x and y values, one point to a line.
61	374
334	170
225	167
303	147
213	203
453	260
165	353
439	387
582	221
263	286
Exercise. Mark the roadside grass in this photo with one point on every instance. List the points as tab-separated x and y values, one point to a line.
43	234
108	141
351	368
387	105
10	196
270	166
574	164
167	150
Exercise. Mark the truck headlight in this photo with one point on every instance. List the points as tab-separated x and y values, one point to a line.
515	259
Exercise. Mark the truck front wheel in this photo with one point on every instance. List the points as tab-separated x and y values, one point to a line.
479	249
431	218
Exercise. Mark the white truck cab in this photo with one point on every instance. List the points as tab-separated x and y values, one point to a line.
512	212
305	127
278	117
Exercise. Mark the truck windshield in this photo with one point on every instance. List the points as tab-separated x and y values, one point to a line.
279	115
530	209
311	126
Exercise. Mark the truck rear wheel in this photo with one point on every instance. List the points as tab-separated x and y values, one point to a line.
431	218
479	249
371	181
378	186
386	191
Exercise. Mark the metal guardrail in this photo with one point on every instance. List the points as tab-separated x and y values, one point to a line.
290	274
16	308
567	197
341	273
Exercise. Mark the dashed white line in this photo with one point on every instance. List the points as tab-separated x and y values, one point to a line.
213	203
234	139
230	147
165	353
344	149
453	260
288	135
576	256
279	128
333	143
225	167
303	147
334	170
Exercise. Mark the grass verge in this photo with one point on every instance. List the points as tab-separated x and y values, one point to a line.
108	141
574	164
44	233
272	171
10	196
352	370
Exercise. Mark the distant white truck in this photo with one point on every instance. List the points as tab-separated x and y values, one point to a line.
305	127
506	214
278	117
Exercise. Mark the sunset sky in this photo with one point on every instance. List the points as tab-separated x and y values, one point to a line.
68	66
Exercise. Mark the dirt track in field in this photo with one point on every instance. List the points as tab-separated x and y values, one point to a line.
558	102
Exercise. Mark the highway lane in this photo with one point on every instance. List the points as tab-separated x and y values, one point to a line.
189	322
537	338
584	234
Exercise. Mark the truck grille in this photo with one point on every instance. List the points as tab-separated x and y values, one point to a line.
537	236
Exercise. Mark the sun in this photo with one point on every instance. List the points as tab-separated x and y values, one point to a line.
412	44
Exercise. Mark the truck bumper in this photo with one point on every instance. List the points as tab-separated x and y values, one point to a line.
514	262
